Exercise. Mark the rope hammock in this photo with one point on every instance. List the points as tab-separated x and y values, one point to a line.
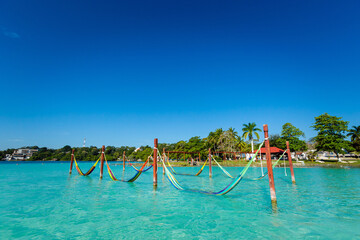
274	164
146	169
133	179
224	191
89	171
226	172
185	174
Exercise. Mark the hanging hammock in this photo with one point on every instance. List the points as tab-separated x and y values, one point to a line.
89	171
146	169
224	191
136	176
274	164
226	172
186	174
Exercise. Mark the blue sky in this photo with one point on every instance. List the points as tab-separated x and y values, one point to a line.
125	72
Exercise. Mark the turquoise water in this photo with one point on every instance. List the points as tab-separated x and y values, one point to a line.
41	201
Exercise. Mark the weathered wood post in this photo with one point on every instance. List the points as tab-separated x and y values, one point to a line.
290	162
102	161
155	162
164	156
210	168
72	160
269	165
124	161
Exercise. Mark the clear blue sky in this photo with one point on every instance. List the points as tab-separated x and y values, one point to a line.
125	72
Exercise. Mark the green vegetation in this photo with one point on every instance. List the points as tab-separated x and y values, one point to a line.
331	137
354	135
331	134
250	129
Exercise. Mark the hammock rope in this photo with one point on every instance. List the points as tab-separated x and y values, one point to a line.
133	179
89	171
146	169
274	164
226	172
224	191
186	174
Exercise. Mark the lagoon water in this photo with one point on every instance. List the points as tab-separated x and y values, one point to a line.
41	201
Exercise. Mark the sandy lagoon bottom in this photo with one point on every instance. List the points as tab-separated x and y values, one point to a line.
41	201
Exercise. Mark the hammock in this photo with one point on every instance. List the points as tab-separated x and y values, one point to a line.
261	177
226	172
138	169
136	176
224	191
89	171
186	174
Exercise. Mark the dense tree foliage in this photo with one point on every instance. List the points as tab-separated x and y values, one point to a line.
331	137
331	134
354	135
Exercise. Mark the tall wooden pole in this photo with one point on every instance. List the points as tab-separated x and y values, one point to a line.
210	168
124	160
155	162
102	161
72	161
164	156
269	165
290	162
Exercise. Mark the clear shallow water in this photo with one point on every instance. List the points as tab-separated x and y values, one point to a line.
41	201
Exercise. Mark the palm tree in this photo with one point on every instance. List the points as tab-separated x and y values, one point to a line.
249	130
354	133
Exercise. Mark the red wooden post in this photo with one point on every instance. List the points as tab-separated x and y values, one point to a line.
124	161
210	168
164	156
72	161
155	162
269	164
290	162
102	161
199	158
234	156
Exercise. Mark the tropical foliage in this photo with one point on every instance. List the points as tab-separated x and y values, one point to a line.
331	134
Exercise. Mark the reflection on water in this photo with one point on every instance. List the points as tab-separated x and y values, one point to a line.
44	201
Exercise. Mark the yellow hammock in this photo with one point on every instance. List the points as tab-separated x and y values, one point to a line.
89	171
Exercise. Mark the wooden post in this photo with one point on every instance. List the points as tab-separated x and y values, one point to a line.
199	159
102	161
290	162
72	161
269	165
210	169
155	162
124	161
184	158
164	156
234	156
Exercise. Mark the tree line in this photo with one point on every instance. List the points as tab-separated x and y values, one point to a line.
332	134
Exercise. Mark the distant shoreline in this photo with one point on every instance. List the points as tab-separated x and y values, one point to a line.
227	163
